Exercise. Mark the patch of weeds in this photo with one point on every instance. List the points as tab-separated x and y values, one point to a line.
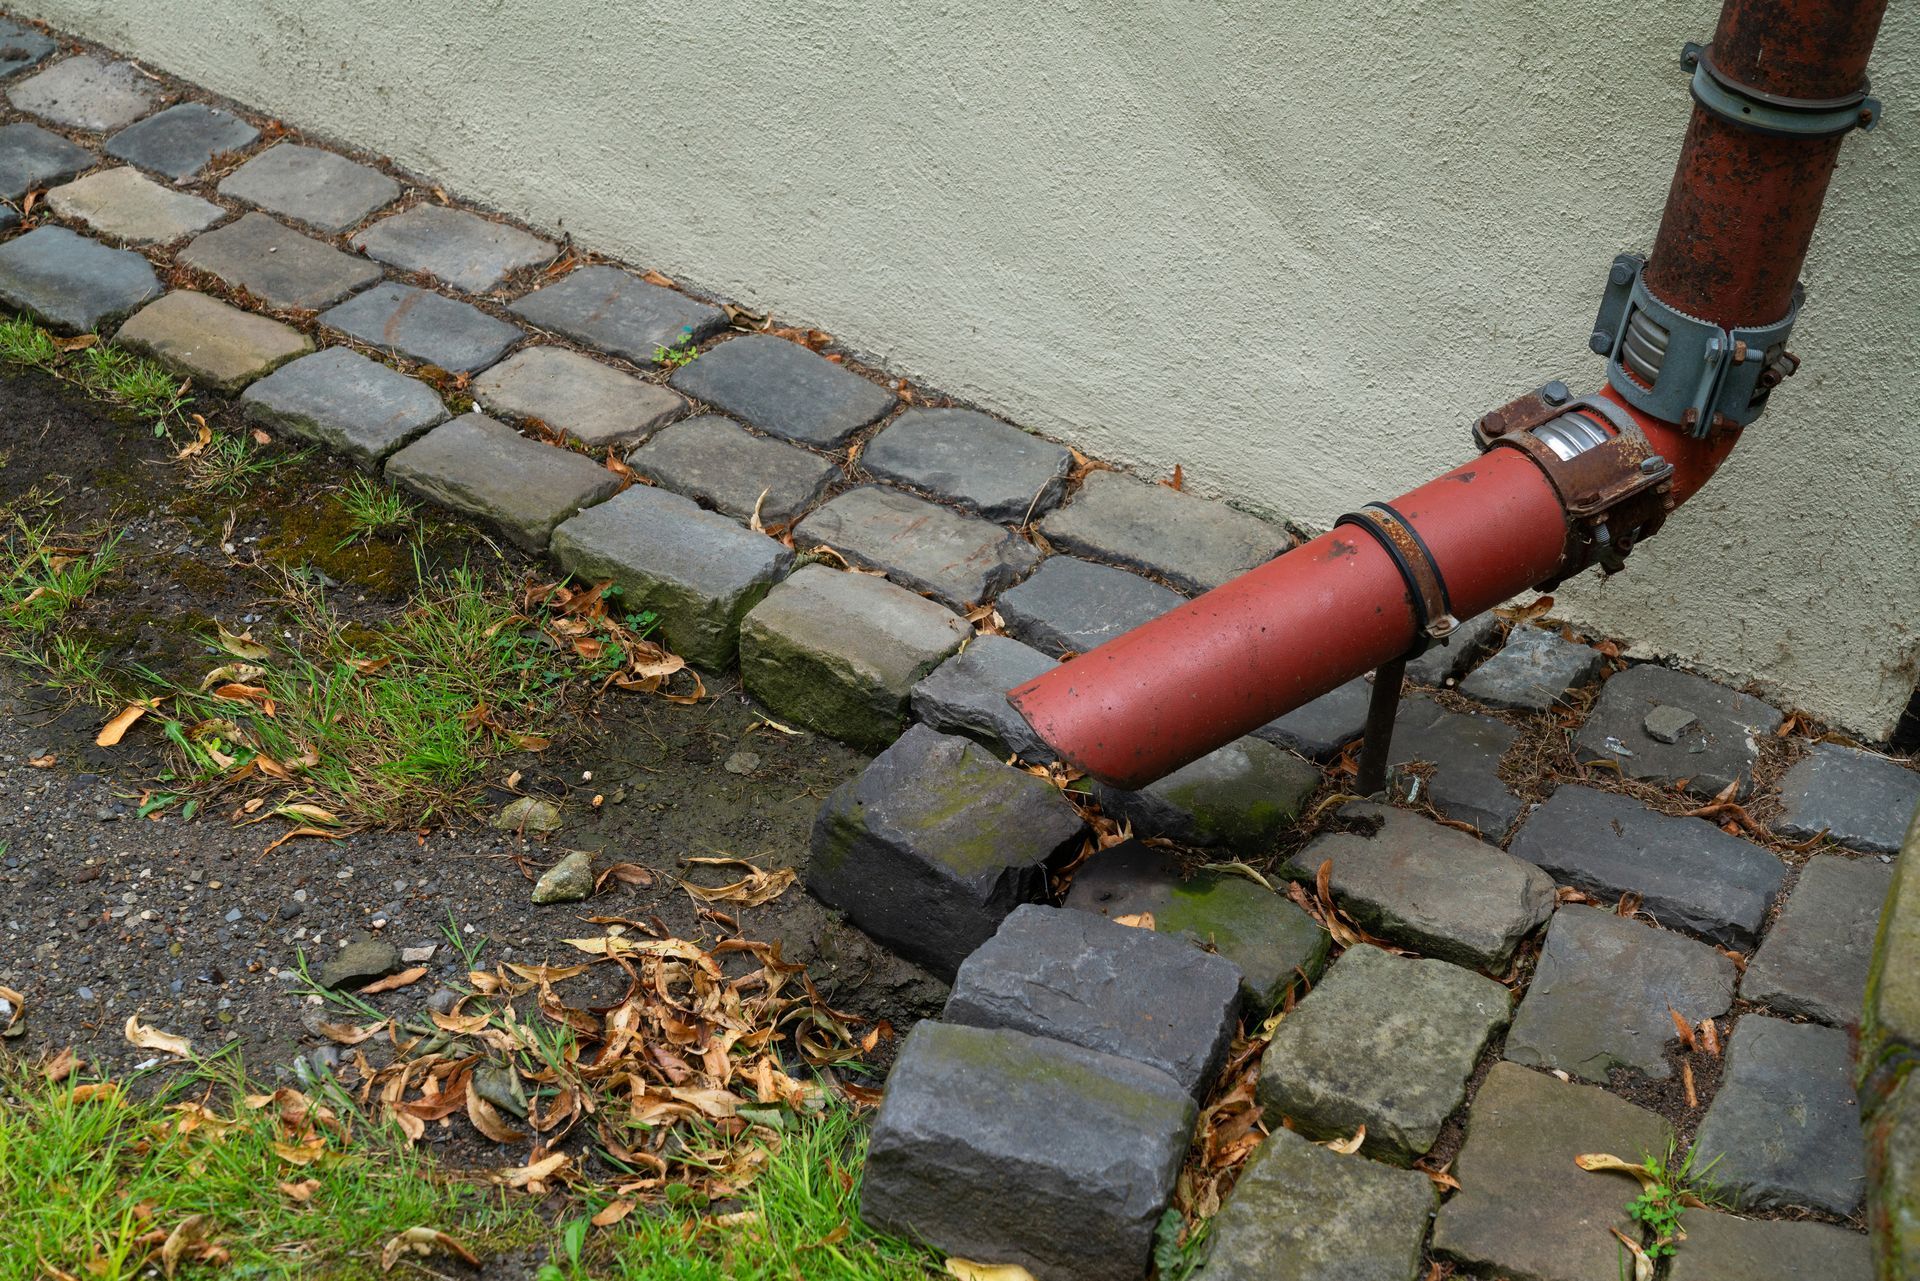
227	465
42	579
372	511
1177	1257
682	353
799	1218
97	1178
103	371
468	948
70	665
1669	1186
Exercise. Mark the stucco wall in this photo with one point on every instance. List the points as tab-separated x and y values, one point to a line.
1293	245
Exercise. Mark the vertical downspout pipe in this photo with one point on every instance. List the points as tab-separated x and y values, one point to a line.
1738	220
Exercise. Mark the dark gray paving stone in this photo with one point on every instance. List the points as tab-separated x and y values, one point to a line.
311	186
485	469
1275	944
1720	1247
22	47
595	404
219	346
961	560
718	463
1785	1125
352	405
1445	664
179	141
967	695
424	326
1069	606
1300	1212
1524	1210
87	92
1863	801
1383	1041
995	1145
1241	797
1600	995
620	314
980	462
69	282
698	571
1464	750
1320	729
465	250
1194	543
784	389
1533	671
1430	888
1118	989
278	265
1692	875
1718	748
34	157
1814	961
125	205
934	844
841	652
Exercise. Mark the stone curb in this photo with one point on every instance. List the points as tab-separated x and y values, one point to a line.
1889	1087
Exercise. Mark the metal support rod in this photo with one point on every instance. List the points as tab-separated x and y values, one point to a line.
1377	746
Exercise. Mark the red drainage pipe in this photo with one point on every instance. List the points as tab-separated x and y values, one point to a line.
1738	221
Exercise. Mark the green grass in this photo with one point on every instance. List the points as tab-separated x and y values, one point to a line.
228	465
373	510
41	579
103	371
1672	1185
83	1185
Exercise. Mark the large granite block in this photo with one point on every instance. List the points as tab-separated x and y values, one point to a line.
620	314
784	389
1427	887
1277	946
1861	800
69	282
1814	961
217	345
935	844
979	462
1600	995
719	464
1382	1041
841	652
1069	606
1692	875
278	265
1707	735
1242	797
967	695
423	326
1118	989
698	572
577	396
961	560
177	143
485	469
311	186
1001	1147
1194	543
355	406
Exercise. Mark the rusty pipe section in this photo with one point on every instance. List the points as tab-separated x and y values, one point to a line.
1563	483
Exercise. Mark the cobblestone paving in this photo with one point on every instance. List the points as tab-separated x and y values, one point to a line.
886	564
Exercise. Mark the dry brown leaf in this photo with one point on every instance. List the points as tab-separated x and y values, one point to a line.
190	1232
1139	920
94	1091
612	1213
424	1242
297	833
1518	614
625	873
394	982
302	1153
150	1038
757	888
1346	1147
1599	1161
1686	1081
44	762
1710	1037
1642	1263
968	1270
487	1119
657	278
60	1066
80	342
301	1191
534	1177
1682	1027
242	644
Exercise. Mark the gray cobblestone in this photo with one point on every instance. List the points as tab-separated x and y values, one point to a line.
1241	797
217	345
124	204
962	560
1534	671
980	462
34	157
715	461
338	397
1070	605
179	141
426	326
1863	801
485	469
1814	961
1194	543
698	571
278	265
87	92
465	250
595	404
1719	746
967	695
620	314
22	47
311	186
782	388
1319	729
70	282
1465	750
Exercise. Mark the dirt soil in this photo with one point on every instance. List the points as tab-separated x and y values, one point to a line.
193	928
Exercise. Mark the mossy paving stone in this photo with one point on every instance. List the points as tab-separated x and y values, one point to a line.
1721	1247
1893	1179
1242	797
350	404
1276	945
1524	1210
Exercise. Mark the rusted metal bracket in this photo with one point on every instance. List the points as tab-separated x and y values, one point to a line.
1426	589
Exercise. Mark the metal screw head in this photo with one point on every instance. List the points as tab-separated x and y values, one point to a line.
1556	393
1620	274
1601	343
1652	463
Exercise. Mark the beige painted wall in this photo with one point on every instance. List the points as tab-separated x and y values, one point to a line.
1292	245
